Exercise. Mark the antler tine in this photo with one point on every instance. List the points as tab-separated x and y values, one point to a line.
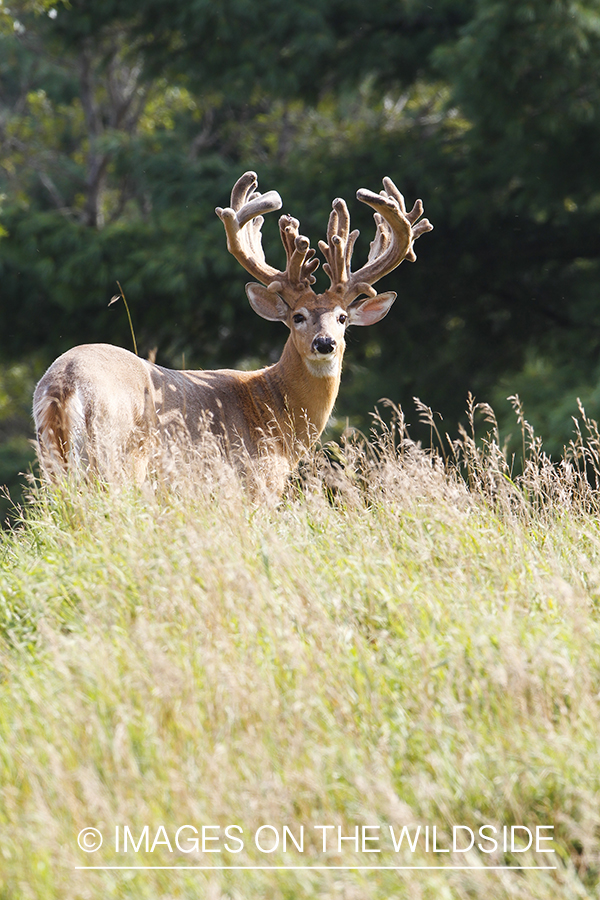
340	244
415	213
257	205
382	239
243	189
301	261
391	190
412	216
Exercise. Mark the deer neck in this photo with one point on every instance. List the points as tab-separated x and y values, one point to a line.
307	395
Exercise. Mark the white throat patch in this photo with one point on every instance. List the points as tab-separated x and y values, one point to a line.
328	367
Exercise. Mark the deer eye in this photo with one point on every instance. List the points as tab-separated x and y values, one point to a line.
298	318
343	318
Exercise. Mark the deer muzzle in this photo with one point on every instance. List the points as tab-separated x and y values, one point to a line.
324	345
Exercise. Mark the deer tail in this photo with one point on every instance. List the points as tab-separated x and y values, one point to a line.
54	429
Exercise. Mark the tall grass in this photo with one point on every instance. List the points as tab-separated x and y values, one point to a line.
411	637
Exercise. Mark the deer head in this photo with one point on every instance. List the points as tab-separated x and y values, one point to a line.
317	322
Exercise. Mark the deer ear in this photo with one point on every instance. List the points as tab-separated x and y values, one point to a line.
371	310
267	304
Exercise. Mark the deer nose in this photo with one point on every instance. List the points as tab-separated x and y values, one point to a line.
323	345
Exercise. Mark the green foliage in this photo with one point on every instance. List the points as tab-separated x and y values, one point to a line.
525	74
282	49
17	382
121	128
59	271
556	394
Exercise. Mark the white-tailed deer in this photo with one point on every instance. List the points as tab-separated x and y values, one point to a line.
104	410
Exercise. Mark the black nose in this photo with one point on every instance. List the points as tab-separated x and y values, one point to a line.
323	345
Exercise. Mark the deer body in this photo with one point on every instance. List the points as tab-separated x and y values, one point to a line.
103	410
143	405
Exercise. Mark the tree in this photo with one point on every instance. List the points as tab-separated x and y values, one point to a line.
129	124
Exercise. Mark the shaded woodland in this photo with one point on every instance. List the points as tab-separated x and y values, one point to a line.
122	126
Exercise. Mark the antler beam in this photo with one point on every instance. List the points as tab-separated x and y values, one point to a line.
396	232
243	222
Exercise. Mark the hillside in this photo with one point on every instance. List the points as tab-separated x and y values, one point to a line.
401	642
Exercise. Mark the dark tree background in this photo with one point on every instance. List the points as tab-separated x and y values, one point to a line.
122	126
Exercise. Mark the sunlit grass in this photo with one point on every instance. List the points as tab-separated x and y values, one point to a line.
400	642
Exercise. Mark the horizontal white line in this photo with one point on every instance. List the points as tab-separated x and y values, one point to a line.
299	868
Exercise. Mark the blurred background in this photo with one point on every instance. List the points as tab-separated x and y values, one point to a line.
123	124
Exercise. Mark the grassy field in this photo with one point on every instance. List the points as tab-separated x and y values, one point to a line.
406	640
